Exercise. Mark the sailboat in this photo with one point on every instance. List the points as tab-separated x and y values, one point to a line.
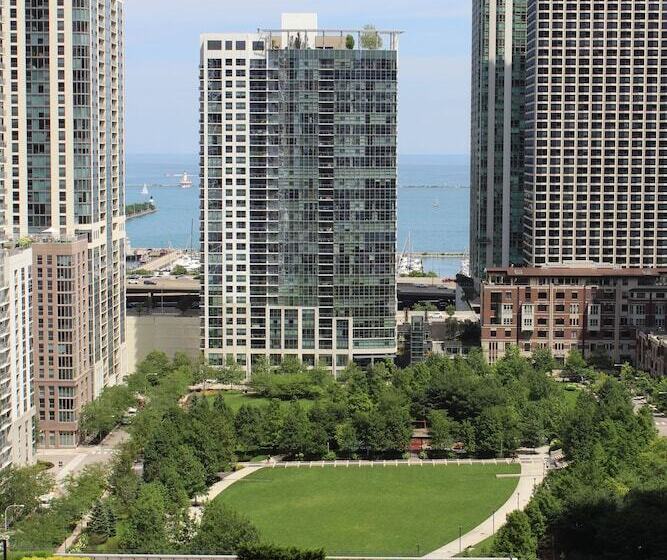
144	191
186	183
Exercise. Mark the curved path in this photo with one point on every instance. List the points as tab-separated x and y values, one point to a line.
533	470
215	489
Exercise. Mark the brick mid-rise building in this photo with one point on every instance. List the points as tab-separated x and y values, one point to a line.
592	309
63	370
652	353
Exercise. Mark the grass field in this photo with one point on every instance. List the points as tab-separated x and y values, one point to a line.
236	399
404	511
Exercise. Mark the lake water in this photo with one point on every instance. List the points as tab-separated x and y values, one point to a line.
433	204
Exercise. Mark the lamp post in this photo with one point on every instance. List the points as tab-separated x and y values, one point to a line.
460	539
5	537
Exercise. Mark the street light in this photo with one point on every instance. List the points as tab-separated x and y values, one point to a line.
18	507
5	537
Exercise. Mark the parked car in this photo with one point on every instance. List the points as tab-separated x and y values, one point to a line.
150	282
132	281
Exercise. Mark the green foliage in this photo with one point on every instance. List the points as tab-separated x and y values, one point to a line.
346	438
45	529
271	552
421	274
145	530
24	242
575	363
23	486
137	207
442	429
103	414
370	38
141	272
222	531
291	381
543	360
179	270
515	538
424	306
231	373
349	42
102	523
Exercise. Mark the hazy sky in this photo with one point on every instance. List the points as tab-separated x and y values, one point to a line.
162	58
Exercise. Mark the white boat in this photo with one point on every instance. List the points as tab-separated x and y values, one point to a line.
436	203
408	264
144	191
186	183
465	266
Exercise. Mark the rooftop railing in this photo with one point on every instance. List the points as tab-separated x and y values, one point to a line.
350	39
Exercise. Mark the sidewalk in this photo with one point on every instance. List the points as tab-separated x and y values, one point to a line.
532	473
218	487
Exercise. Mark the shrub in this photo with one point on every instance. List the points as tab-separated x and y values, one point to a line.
271	552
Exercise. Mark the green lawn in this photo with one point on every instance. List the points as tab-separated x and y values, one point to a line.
236	399
571	395
377	510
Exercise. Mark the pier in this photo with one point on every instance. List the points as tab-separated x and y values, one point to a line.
445	255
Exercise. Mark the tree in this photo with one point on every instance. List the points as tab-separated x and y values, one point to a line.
222	531
145	529
346	438
232	372
574	363
103	414
296	431
450	310
370	38
349	42
601	359
497	431
23	486
441	428
190	470
248	426
543	360
515	538
102	524
179	270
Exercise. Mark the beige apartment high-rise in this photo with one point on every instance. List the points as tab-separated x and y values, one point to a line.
63	112
596	133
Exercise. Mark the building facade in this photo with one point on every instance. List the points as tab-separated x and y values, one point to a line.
562	308
497	134
17	407
63	109
652	353
64	372
298	194
596	148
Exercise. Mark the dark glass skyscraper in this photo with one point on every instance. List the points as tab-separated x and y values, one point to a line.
299	194
497	133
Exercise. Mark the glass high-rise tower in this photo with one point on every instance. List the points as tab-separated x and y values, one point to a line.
63	109
497	134
298	194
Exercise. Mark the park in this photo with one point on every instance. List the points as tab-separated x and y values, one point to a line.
380	510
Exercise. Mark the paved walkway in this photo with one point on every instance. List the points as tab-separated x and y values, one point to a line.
533	470
71	461
215	489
